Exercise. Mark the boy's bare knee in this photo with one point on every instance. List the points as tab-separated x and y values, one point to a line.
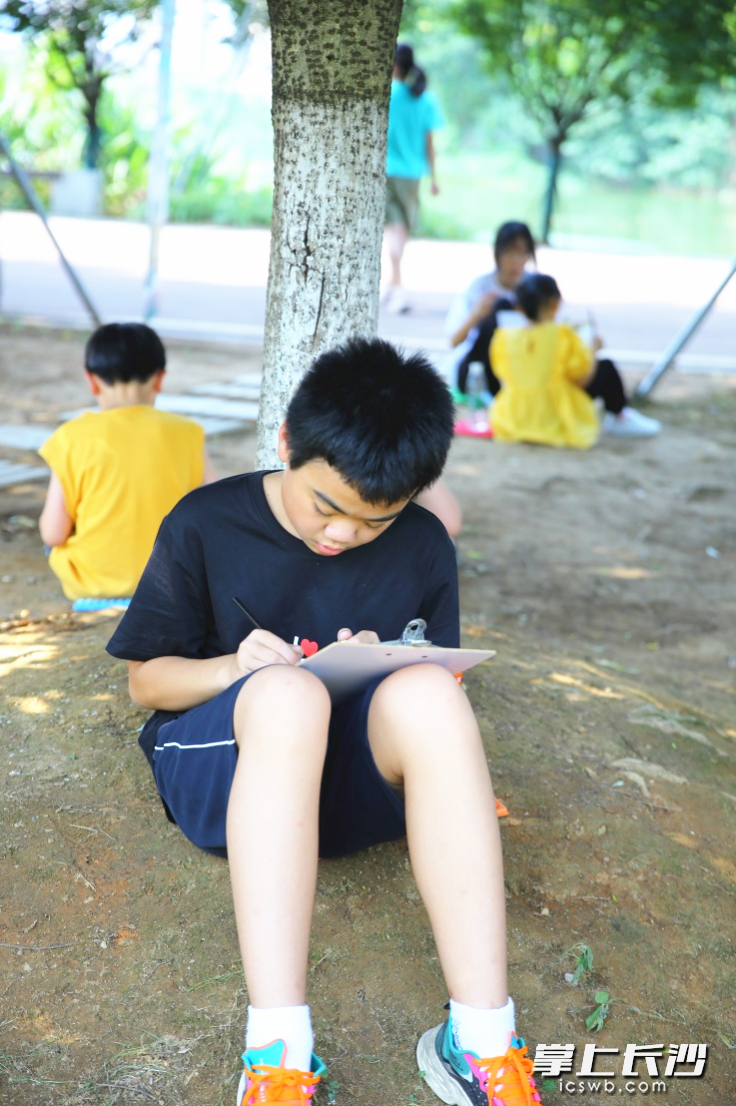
416	687
285	686
422	697
416	714
283	692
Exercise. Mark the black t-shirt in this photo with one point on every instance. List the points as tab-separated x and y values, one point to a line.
223	541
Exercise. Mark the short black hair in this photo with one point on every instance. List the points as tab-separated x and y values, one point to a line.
121	352
510	232
534	291
380	418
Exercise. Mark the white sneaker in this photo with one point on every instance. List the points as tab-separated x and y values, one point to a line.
398	303
630	424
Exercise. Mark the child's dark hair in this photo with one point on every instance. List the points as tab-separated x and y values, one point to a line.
509	233
121	352
534	291
413	77
382	419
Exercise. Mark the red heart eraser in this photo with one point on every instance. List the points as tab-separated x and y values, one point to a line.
308	647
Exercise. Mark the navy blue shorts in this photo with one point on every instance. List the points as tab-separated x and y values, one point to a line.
194	763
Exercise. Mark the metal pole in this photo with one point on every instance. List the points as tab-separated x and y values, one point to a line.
30	194
659	368
158	166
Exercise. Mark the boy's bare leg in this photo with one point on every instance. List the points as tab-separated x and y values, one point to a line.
424	737
280	721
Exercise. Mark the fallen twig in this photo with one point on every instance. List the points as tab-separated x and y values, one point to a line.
36	948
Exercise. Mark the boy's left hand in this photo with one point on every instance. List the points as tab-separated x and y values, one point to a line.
363	637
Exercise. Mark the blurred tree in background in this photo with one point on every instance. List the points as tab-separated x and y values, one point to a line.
563	58
657	165
77	40
687	44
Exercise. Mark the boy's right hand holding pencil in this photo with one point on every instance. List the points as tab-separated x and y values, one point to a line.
260	648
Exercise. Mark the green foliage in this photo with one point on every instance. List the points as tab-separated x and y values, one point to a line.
41	125
331	1089
595	1021
643	144
221	202
637	171
124	158
478	191
565	57
730	22
246	15
559	55
583	962
81	44
688	44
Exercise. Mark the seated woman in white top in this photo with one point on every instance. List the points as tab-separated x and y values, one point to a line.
471	319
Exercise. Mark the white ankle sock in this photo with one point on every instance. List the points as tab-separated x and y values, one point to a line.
484	1032
290	1024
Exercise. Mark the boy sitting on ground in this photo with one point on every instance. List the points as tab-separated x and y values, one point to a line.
250	757
115	473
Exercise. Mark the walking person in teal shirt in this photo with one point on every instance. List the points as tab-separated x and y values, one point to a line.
413	115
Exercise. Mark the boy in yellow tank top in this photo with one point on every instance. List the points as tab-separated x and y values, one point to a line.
117	472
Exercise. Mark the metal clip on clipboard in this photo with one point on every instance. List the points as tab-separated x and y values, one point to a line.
413	634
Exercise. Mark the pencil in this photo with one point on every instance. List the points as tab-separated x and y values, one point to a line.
247	613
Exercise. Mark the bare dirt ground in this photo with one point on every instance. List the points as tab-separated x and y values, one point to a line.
605	582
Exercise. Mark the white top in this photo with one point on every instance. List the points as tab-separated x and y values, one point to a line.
463	305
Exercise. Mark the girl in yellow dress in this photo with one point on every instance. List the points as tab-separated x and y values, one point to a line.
550	378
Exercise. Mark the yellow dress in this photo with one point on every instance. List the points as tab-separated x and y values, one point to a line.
540	368
121	471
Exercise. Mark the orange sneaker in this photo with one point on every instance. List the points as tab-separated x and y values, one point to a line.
462	1079
265	1079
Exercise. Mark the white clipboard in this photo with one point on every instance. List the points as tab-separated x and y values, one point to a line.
345	668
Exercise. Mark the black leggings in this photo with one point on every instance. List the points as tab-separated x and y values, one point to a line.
481	349
608	386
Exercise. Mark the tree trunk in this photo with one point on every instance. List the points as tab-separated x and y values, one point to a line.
92	146
332	63
555	160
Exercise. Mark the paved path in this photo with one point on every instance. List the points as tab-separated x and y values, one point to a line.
213	279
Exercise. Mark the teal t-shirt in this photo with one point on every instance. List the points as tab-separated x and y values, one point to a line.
410	118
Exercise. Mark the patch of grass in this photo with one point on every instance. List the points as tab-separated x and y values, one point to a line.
16	1067
667	219
231	973
135	1071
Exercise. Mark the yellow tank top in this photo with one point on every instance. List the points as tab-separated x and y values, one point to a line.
541	368
121	471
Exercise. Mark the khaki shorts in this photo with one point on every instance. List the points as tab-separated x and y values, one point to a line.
402	201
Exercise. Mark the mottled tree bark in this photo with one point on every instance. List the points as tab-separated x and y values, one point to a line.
332	63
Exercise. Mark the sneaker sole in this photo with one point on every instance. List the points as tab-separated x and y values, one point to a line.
630	433
435	1074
